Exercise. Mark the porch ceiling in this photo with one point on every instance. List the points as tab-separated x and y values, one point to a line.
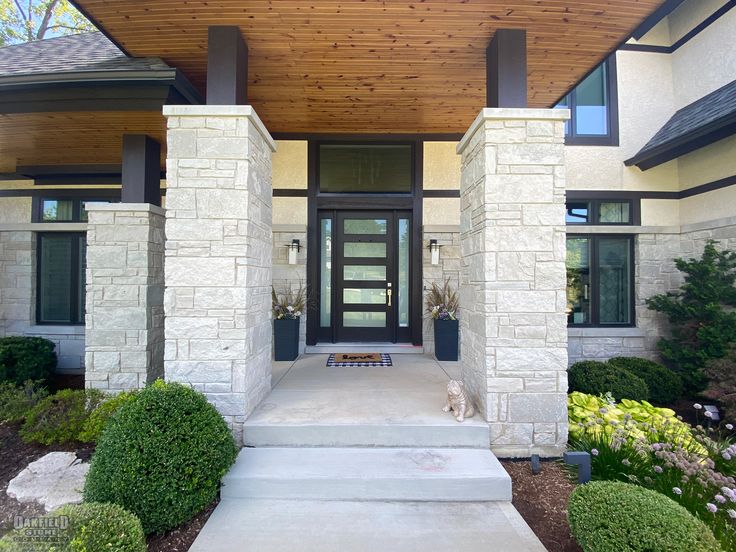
371	66
73	138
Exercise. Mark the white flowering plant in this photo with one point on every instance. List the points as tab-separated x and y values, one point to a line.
637	443
288	304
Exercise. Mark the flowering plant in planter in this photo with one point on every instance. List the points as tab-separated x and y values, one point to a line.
442	305
289	304
442	302
287	309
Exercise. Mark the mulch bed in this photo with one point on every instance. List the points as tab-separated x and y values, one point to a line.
15	455
542	501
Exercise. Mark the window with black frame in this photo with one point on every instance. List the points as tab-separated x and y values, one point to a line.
60	289
593	108
600	280
52	209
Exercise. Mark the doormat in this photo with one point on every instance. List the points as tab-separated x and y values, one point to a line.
359	359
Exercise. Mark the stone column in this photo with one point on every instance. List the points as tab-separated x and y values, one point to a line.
513	282
219	256
125	285
17	270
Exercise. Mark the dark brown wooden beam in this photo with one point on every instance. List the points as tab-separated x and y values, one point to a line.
141	172
227	66
506	69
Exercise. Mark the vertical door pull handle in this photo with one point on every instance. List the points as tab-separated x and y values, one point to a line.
389	292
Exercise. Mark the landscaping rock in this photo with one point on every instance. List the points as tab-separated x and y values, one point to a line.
52	481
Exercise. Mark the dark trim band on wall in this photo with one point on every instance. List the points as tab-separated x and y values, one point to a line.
441	193
306	136
687	37
288	192
682	194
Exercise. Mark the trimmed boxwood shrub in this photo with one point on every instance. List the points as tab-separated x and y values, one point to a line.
597	378
665	386
608	516
59	418
16	401
26	358
100	416
161	456
90	527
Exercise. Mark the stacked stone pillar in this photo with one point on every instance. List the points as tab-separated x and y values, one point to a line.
219	256
512	289
125	284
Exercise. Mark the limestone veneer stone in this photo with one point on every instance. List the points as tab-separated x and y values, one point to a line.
219	256
512	277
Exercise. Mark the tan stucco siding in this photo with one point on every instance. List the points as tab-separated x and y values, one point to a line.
289	164
15	209
441	166
708	164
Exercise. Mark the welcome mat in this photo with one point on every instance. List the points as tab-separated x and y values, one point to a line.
359	359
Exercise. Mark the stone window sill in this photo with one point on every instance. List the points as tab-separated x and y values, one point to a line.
605	332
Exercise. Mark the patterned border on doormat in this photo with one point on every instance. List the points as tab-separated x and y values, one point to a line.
385	361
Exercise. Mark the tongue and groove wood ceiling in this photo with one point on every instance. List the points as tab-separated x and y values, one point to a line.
374	66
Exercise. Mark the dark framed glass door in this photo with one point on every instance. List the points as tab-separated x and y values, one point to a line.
365	276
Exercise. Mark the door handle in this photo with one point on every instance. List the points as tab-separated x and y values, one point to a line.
389	292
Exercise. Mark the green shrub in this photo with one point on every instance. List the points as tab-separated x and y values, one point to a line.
17	400
100	416
59	418
608	516
701	314
161	456
598	378
665	386
26	358
88	527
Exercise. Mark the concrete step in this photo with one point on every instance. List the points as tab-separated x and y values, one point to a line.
339	526
414	474
446	434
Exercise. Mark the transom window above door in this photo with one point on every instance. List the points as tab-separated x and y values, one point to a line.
365	168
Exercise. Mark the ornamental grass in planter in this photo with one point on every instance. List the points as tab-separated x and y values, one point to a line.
442	305
287	310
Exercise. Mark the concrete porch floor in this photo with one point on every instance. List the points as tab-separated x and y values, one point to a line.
364	459
312	404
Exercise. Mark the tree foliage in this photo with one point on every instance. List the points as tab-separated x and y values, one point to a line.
29	20
701	314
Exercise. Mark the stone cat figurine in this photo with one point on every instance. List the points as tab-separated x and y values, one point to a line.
458	401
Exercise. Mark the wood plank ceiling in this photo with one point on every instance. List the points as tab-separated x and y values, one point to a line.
375	66
74	138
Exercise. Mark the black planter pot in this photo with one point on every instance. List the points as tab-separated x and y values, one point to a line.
446	339
286	338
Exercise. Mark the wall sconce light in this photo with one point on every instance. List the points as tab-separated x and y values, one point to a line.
434	252
294	248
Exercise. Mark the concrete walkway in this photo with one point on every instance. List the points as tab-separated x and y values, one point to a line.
364	459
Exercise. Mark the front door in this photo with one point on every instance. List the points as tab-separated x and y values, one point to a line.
370	279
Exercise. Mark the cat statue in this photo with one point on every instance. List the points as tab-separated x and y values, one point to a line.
458	401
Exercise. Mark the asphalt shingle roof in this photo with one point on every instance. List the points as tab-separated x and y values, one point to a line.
69	54
691	123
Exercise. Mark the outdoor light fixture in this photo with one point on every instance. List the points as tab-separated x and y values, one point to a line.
434	252
294	248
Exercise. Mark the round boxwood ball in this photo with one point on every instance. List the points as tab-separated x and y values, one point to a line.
665	386
607	516
598	378
162	456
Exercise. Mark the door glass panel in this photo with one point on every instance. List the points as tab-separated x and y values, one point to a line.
364	319
365	226
377	250
364	272
614	274
365	168
578	281
364	296
325	290
403	273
